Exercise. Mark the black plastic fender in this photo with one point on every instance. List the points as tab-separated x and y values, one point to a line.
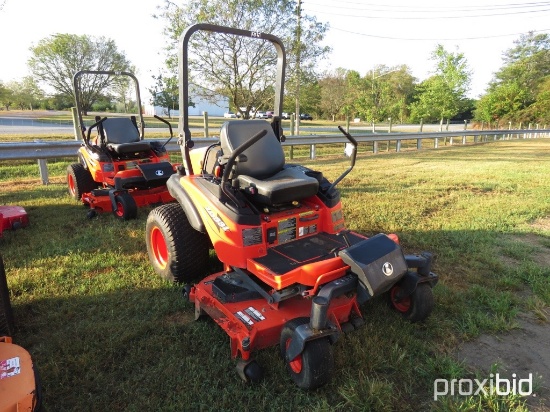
407	284
183	198
410	281
308	331
305	333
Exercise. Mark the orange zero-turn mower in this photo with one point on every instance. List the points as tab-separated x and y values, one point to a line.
19	386
293	275
118	170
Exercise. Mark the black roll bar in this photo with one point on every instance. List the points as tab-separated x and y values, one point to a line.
183	58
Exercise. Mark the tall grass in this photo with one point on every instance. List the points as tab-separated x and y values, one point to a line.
107	334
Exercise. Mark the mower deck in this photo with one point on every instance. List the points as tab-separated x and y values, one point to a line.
251	321
100	200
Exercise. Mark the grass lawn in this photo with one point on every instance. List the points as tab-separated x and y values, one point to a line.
107	334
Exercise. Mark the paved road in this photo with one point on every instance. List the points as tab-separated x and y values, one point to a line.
18	125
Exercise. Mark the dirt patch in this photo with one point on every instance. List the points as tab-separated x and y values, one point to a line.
522	351
542	224
541	256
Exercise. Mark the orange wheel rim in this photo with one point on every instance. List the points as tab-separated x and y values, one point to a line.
402	305
296	363
70	181
119	209
158	247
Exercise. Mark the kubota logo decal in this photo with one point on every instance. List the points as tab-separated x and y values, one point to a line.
220	223
387	268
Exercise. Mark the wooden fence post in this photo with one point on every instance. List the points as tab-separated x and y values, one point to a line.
292	118
76	126
419	141
205	121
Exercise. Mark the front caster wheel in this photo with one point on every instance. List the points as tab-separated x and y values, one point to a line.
250	371
313	367
417	306
126	207
186	292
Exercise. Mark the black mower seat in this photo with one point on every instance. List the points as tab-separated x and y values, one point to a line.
263	175
122	136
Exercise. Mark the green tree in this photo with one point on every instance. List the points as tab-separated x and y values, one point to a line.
310	97
57	58
382	93
520	83
355	88
500	102
25	94
539	111
6	96
124	92
242	68
333	93
165	92
391	92
442	96
3	92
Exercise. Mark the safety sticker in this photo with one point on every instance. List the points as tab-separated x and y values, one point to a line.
244	318
9	368
287	230
255	314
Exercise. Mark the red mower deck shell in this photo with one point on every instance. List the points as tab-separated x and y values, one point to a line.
12	217
255	324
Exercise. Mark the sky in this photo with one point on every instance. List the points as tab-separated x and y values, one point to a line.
362	34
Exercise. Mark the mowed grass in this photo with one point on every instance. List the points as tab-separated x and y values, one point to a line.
107	334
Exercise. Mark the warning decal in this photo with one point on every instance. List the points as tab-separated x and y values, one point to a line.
255	314
10	367
287	230
244	318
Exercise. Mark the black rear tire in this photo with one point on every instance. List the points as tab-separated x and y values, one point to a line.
416	307
176	250
7	325
313	367
79	181
126	207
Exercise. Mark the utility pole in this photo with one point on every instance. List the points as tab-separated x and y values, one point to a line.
298	72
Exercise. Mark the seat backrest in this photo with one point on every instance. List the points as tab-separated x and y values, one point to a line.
264	158
120	130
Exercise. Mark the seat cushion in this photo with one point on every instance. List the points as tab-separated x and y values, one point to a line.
284	187
264	158
126	148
